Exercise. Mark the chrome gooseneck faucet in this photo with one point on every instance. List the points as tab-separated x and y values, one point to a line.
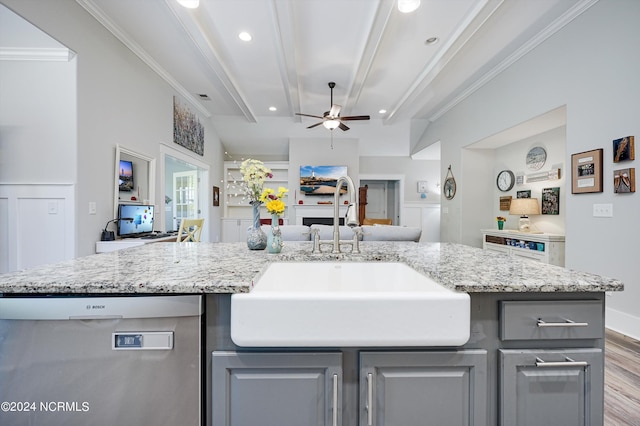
351	219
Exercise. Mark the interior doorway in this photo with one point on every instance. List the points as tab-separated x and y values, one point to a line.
184	186
384	198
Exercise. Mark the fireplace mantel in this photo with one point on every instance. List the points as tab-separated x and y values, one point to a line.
316	210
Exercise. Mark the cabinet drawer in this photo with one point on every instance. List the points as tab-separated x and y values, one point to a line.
540	320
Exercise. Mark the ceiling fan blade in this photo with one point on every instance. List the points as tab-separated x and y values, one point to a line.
314	125
356	117
309	115
343	127
335	111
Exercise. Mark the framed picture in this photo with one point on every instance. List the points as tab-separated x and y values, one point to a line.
623	149
505	202
216	196
586	172
551	200
624	181
525	193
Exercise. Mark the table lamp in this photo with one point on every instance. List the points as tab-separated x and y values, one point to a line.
524	207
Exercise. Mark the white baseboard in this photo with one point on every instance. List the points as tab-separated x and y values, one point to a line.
624	323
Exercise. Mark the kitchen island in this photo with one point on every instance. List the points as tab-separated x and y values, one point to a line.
522	364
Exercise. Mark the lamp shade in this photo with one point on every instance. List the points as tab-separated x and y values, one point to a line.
524	206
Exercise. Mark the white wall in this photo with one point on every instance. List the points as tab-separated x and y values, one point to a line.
119	101
412	170
591	67
318	152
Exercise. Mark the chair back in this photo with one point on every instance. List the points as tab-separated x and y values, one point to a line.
370	221
190	230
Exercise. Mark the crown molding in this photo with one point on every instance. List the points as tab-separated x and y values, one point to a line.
577	10
137	50
59	54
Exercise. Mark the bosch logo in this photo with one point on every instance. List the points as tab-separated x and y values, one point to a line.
91	307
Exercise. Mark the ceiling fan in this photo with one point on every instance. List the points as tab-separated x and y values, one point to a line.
331	119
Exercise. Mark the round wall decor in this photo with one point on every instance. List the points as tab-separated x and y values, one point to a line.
536	158
449	187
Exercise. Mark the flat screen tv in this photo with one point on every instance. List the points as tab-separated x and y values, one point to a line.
125	177
321	180
134	220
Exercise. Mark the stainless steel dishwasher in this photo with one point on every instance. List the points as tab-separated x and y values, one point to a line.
101	361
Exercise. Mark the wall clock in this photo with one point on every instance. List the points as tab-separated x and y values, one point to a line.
536	158
505	180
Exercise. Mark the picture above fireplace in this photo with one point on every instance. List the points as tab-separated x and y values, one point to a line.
321	180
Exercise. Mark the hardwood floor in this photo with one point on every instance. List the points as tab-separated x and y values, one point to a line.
622	380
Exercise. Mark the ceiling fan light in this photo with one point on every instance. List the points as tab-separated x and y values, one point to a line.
331	124
189	4
408	6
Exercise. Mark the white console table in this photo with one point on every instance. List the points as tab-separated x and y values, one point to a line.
547	248
107	246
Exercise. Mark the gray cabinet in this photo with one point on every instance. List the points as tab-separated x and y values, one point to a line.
276	389
549	382
423	388
551	387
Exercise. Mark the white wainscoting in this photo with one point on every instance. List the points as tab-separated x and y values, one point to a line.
36	225
425	216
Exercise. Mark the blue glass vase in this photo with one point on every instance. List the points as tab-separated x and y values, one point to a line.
256	238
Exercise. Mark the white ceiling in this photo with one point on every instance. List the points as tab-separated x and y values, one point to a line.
376	55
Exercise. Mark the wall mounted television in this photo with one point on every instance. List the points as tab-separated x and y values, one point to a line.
134	220
321	180
125	177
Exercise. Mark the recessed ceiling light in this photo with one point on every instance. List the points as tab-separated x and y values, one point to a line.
382	111
245	36
189	4
272	108
408	6
431	40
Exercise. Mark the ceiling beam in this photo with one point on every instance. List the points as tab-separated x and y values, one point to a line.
283	28
195	25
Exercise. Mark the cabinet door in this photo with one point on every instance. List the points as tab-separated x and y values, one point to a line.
276	389
423	388
551	387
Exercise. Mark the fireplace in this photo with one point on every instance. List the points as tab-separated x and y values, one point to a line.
308	221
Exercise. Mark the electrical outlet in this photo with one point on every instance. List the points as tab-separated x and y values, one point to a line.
603	210
92	207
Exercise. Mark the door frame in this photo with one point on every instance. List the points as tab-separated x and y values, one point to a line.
203	175
399	200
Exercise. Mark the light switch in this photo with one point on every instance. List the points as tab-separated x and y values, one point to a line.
52	207
603	210
92	207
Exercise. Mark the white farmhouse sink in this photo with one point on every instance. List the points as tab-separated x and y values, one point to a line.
342	304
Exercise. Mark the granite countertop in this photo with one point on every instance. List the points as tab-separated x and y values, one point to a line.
231	268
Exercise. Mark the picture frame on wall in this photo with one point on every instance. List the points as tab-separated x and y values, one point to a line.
216	196
624	181
551	200
525	193
586	172
623	149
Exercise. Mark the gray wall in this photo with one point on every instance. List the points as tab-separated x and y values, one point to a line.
591	67
120	100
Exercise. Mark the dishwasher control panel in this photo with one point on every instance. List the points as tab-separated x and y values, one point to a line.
144	340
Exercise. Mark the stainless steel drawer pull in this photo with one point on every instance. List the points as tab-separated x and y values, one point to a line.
568	363
335	400
369	399
567	323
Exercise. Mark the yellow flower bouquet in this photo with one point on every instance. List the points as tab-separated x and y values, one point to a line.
501	219
273	201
